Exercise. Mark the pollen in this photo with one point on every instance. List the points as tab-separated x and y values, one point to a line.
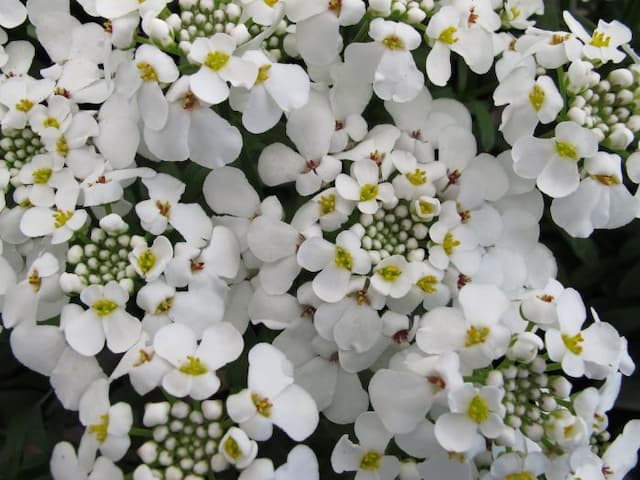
427	284
393	42
270	3
371	461
478	410
147	72
263	405
35	280
232	448
263	74
61	217
143	357
600	39
476	336
62	146
573	343
390	273
448	35
607	180
520	476
100	429
104	307
426	208
344	259
327	204
567	150
146	261
558	38
536	97
164	208
164	306
216	60
546	298
450	243
51	122
41	176
417	177
190	102
368	191
335	6
193	367
24	105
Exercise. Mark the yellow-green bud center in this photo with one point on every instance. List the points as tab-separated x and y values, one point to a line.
427	283
371	461
41	176
393	42
520	476
327	204
62	147
100	429
449	243
61	217
536	97
104	307
263	405
567	150
193	367
216	60
146	261
232	448
390	273
600	40
573	343
478	410
417	177
164	306
368	191
476	336
24	105
343	258
263	74
448	35
51	122
147	72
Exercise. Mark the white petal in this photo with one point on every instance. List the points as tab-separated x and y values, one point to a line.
295	412
221	344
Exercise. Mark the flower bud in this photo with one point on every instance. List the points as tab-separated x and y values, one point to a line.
71	283
525	348
156	414
148	451
561	387
621	77
620	138
383	7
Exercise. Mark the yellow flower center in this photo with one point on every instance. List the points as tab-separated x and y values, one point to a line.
270	3
343	258
216	60
263	405
61	217
164	208
417	177
567	150
393	42
263	74
232	448
476	336
449	243
368	191
35	280
536	97
599	39
147	72
427	284
573	343
448	35
515	12
520	476
607	180
327	204
478	410
164	306
143	357
426	208
335	6
51	122
146	261
390	273
62	147
41	176
193	367
104	307
558	38
24	105
100	429
371	461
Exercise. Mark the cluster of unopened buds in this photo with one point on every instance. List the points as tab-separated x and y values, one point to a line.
254	216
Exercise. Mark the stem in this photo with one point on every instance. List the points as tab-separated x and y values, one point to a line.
553	367
140	432
364	29
108	208
563	92
631	52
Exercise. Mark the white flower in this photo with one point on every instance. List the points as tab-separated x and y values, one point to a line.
553	162
163	209
106	319
20	95
364	188
392	276
237	448
193	131
272	398
150	262
219	66
603	44
367	458
143	77
472	409
278	88
336	264
65	465
510	465
107	426
622	455
195	364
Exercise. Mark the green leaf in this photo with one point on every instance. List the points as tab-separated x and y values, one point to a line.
583	248
484	123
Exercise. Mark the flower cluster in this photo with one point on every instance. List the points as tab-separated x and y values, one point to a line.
251	214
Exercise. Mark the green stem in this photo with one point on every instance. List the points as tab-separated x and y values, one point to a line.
140	432
553	367
563	91
364	29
